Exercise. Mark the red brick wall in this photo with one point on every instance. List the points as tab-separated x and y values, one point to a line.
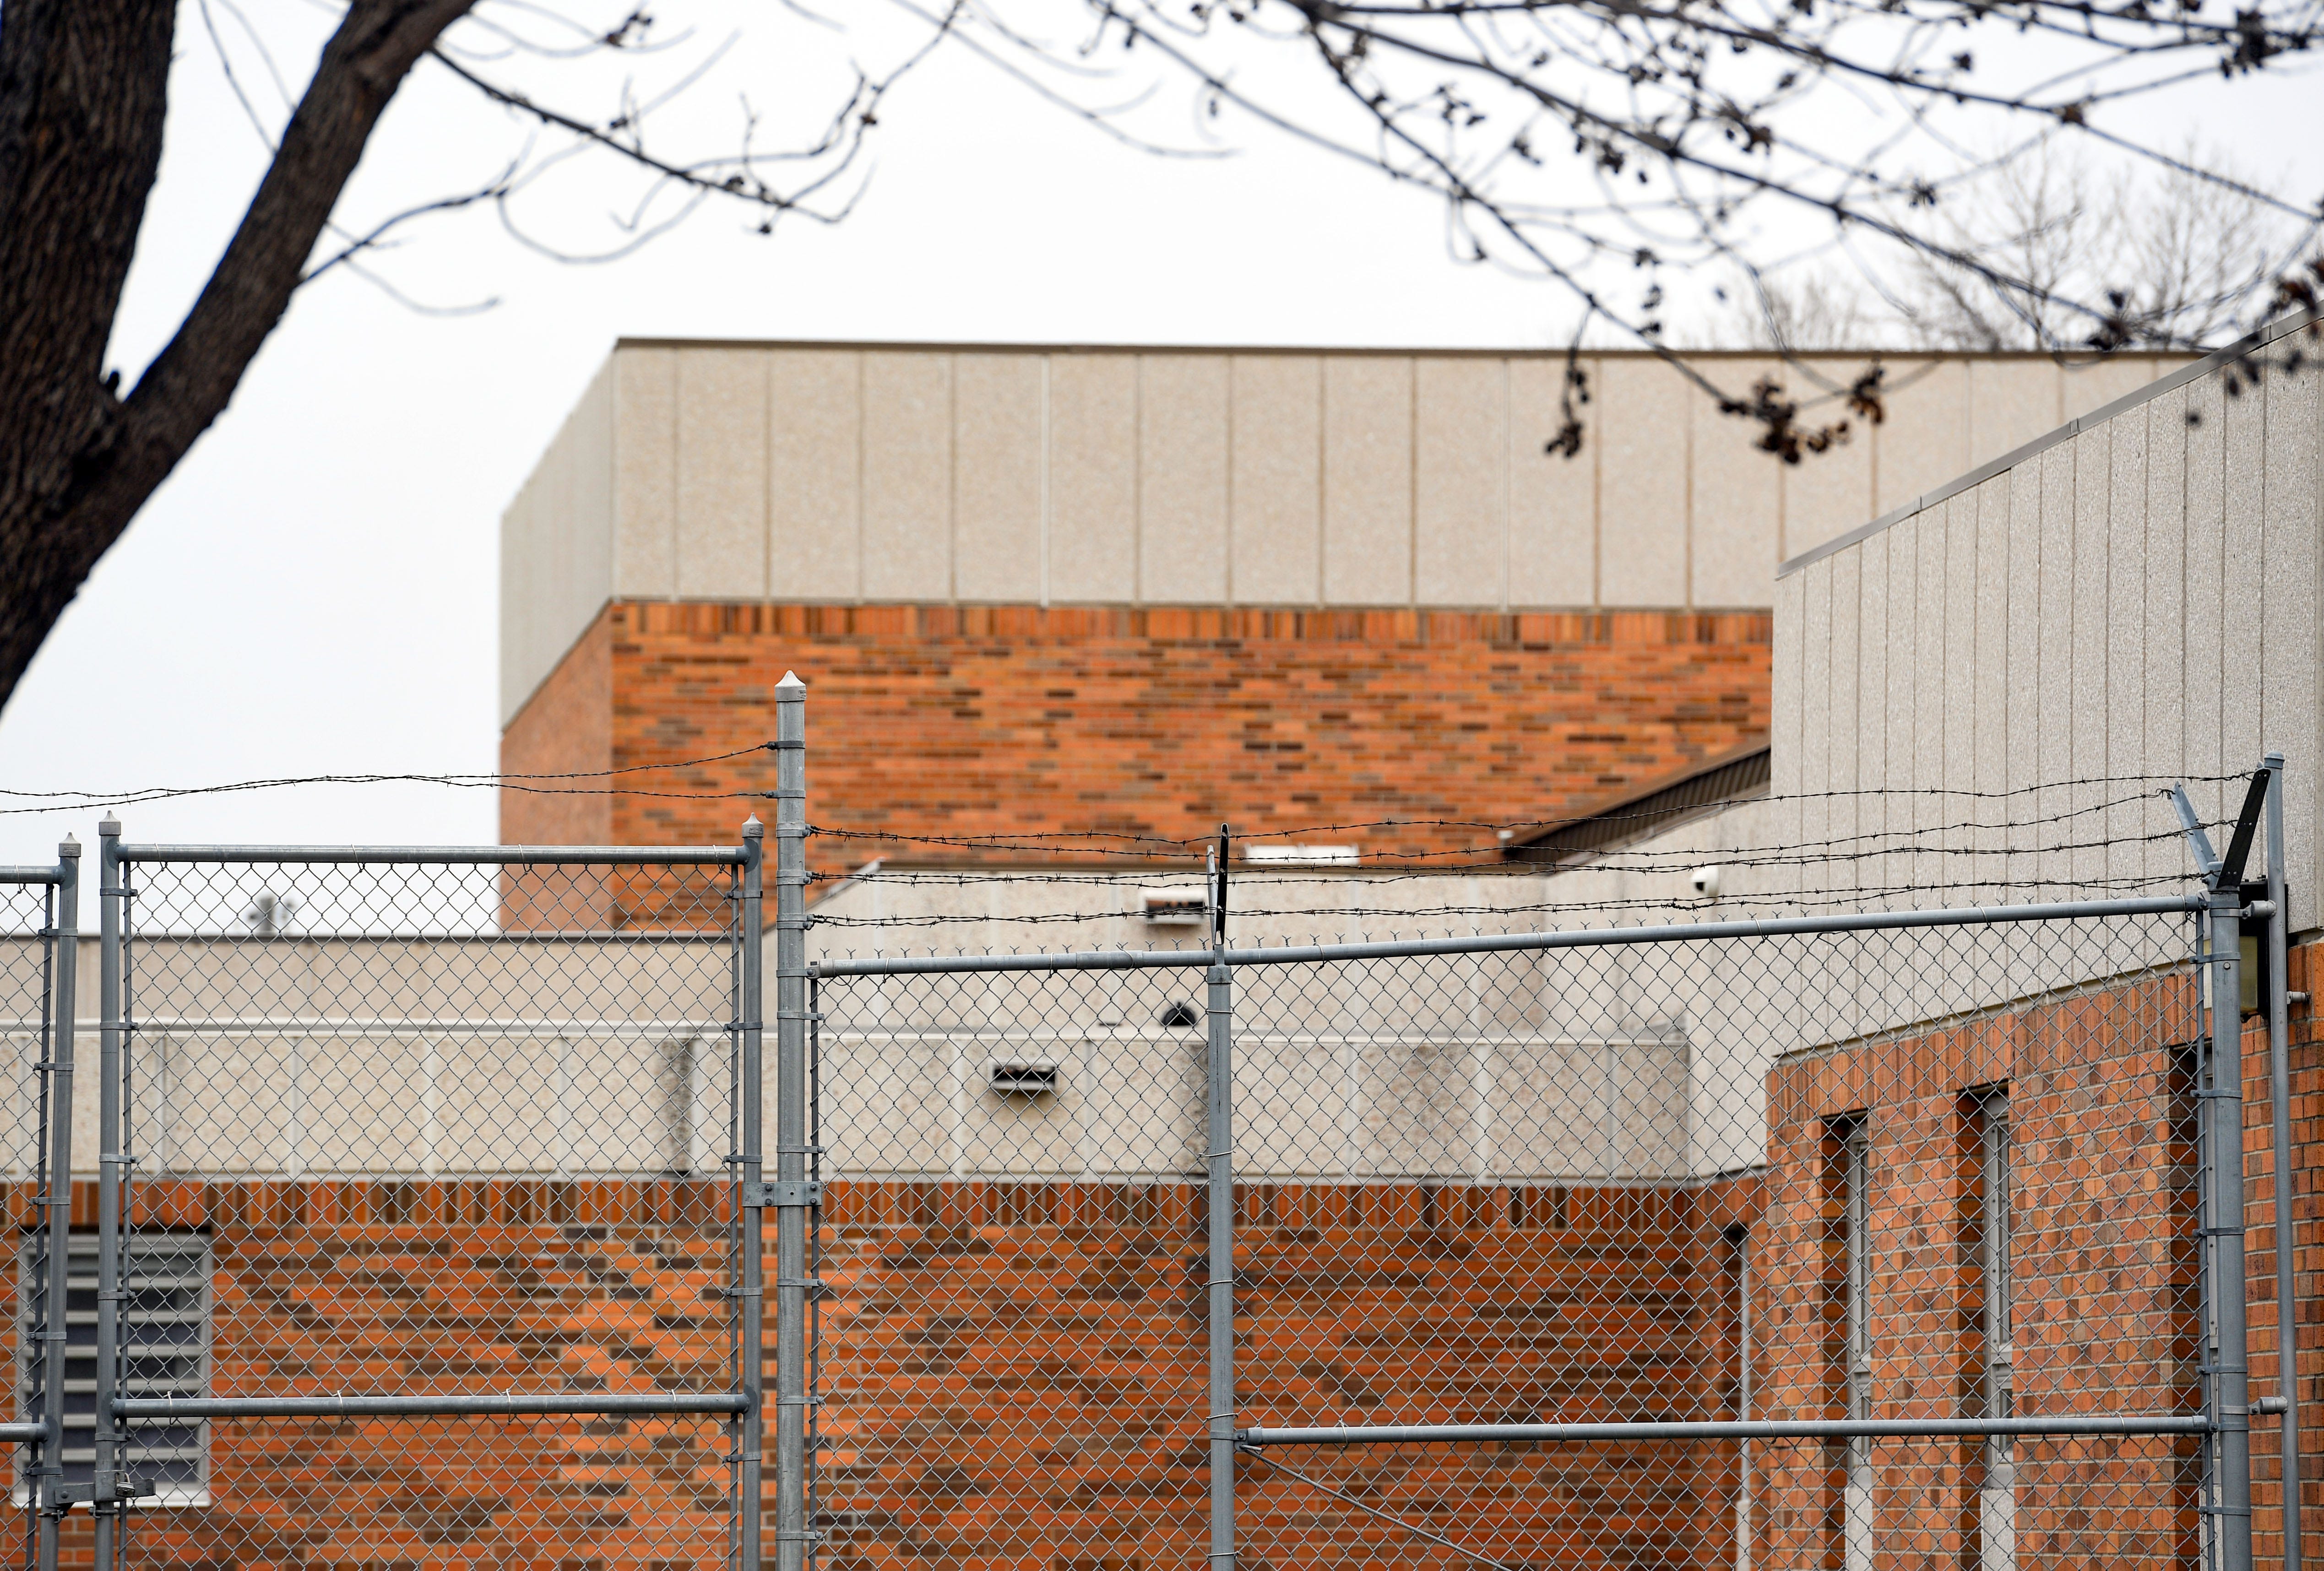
2306	1043
566	727
952	721
453	1287
2104	1261
1017	1373
1017	1377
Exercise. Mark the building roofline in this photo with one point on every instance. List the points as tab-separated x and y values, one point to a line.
1739	774
2260	338
931	346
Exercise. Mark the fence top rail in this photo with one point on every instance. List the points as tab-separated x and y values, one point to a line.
9	875
2022	1425
571	856
1487	943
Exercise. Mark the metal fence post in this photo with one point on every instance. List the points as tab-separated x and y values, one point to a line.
2278	1067
791	1197
54	1319
751	1298
1221	1208
111	1173
2223	1115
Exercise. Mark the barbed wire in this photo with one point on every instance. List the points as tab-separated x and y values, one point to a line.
1050	840
1057	842
1725	909
138	796
1511	862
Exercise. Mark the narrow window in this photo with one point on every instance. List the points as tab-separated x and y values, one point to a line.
1739	1265
1849	1156
1997	1506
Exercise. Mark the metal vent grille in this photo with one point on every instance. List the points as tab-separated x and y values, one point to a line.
165	1352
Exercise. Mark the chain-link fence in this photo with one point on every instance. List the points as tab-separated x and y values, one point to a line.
425	1230
1603	1206
39	957
424	1224
1877	1239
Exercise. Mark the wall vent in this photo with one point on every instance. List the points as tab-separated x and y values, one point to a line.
1022	1077
1185	907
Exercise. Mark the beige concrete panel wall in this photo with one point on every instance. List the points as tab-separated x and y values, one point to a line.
1093	478
1844	658
2054	756
2293	653
721	473
1553	499
1183	461
1990	670
2085	385
1960	690
997	479
1294	1105
2010	403
557	547
1831	492
1873	651
815	474
1931	682
1815	724
2026	566
1367	477
1900	730
2132	733
2139	600
2165	646
1461	481
2206	532
880	1089
645	472
1924	442
908	475
2245	589
1788	695
1738	499
2088	461
1643	483
2130	749
1275	479
589	458
1216	492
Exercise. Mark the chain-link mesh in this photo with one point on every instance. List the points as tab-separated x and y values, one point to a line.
1879	1175
28	959
440	1130
1011	1358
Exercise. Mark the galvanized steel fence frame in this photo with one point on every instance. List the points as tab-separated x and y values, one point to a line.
41	1382
2218	911
114	1492
2225	904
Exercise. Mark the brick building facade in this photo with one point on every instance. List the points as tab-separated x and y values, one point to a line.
1141	591
944	721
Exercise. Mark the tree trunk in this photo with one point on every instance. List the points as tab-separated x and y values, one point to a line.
83	87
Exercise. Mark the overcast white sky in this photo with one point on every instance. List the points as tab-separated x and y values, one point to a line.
314	591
